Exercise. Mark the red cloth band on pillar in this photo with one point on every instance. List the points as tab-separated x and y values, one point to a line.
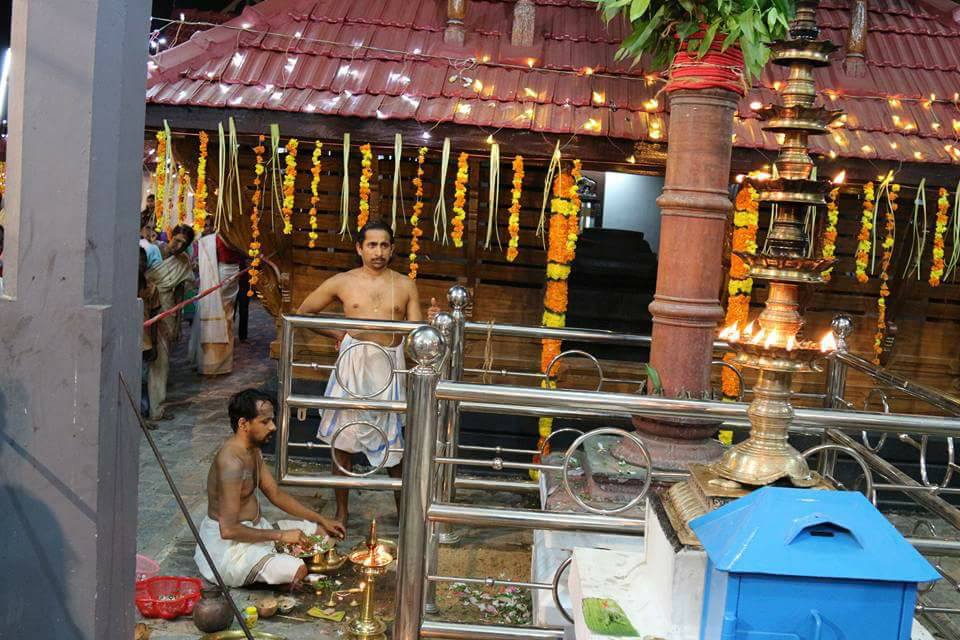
717	69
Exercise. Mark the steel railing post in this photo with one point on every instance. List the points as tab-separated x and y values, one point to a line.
427	349
459	298
285	389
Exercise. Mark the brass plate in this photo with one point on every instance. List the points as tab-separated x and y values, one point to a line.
237	634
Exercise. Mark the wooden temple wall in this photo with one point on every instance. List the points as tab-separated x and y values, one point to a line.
927	349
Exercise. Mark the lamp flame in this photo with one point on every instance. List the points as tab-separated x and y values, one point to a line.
771	339
748	330
840	177
759	337
730	333
791	343
828	343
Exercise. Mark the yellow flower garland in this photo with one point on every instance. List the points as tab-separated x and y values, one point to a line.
513	223
830	232
366	162
254	251
181	194
416	232
746	217
161	179
562	244
890	232
863	238
289	185
937	267
200	193
315	192
459	200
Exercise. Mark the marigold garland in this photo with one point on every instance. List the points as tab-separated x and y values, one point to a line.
746	216
459	200
181	194
200	193
513	223
416	232
254	251
315	191
863	238
830	232
937	267
562	243
890	232
366	162
289	185
161	179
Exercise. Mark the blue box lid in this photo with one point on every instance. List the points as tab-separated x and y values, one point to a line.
810	533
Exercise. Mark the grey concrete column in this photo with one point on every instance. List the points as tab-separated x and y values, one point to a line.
69	323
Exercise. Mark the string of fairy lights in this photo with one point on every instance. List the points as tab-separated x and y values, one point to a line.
465	71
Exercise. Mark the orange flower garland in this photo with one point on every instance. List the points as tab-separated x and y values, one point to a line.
289	185
200	193
181	194
830	232
254	251
366	163
890	229
564	208
936	269
314	192
161	178
573	220
416	232
459	200
746	216
513	223
863	238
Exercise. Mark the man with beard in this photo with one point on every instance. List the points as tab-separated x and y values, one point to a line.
370	292
170	278
242	544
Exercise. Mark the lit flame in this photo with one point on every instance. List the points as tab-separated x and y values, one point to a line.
840	177
828	343
748	330
757	338
771	339
791	343
730	333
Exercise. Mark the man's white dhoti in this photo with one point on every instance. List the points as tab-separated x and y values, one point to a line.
365	371
243	563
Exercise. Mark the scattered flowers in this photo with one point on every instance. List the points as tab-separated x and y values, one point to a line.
366	162
416	232
314	191
506	605
513	223
459	200
289	185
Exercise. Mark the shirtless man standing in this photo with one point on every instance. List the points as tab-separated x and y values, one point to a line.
370	292
240	540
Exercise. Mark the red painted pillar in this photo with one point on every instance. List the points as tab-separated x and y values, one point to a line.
686	308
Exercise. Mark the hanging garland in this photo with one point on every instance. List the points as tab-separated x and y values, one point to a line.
315	192
890	232
459	200
160	176
254	251
863	238
937	268
573	219
200	193
416	232
3	179
513	222
366	161
746	218
181	195
289	185
955	253
564	208
830	232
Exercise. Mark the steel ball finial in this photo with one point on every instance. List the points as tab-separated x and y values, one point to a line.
458	297
443	322
842	325
426	346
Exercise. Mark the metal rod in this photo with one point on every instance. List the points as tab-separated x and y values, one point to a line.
321	402
285	387
528	519
183	508
504	372
497	485
936	546
932	396
459	298
537	412
427	348
492	582
497	464
572	334
930	502
329	367
330	321
307	445
594	403
934	489
499	450
922	608
368	483
461	631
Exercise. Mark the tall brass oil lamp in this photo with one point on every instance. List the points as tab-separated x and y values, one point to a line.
774	343
370	559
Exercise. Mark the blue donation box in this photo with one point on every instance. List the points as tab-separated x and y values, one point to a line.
803	564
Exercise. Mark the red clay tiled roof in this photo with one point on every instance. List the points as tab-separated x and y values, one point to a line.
311	56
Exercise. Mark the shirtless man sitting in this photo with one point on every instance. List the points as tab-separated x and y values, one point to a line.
370	292
241	542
